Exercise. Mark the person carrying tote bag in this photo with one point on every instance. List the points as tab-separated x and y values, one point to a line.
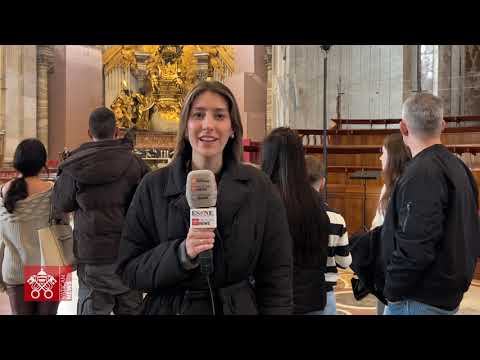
24	209
56	242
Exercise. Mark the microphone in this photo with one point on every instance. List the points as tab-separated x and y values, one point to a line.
201	193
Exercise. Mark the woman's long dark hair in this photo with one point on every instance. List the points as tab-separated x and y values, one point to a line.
283	160
29	159
398	155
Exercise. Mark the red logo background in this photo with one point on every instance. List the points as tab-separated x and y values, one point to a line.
47	283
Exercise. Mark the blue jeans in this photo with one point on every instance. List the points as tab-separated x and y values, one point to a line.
330	307
411	307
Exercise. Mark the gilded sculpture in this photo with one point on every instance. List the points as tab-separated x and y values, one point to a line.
167	72
123	107
143	106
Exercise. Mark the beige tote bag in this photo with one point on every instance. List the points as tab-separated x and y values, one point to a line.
56	243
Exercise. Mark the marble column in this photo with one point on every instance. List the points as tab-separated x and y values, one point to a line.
2	101
409	70
268	65
444	76
45	61
459	79
113	85
2	86
20	96
280	113
449	78
471	86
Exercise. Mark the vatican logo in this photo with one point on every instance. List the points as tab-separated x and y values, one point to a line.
41	282
47	283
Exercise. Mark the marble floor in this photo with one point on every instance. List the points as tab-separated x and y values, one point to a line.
346	303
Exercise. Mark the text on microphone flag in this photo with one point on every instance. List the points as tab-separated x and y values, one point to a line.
203	218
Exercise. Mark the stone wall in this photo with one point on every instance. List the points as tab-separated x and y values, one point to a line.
75	90
472	80
249	85
363	81
458	77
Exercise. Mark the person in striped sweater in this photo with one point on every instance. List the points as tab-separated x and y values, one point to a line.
338	251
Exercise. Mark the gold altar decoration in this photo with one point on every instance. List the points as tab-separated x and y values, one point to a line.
164	75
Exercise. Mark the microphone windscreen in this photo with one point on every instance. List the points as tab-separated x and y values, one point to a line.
201	189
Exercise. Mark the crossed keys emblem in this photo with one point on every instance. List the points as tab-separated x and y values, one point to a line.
41	281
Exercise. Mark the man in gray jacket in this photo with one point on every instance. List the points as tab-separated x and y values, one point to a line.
97	182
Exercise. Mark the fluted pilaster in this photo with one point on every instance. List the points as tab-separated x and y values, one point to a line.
3	76
268	65
45	61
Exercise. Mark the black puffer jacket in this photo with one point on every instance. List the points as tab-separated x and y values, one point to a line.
252	241
97	182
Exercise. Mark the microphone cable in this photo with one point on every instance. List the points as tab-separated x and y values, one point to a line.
206	268
211	293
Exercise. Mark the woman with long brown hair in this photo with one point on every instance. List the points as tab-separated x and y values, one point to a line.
394	158
252	254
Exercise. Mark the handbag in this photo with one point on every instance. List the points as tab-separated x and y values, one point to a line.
359	289
56	243
365	249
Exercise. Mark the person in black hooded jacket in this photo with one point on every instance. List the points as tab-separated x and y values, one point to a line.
97	182
251	246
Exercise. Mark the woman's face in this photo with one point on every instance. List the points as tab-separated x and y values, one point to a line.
384	158
209	125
